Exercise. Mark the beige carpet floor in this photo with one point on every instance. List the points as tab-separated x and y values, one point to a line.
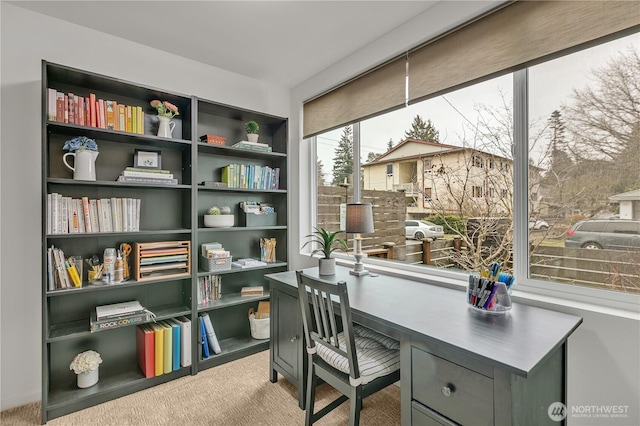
236	393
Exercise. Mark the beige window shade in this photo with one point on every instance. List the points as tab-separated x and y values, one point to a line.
512	37
378	91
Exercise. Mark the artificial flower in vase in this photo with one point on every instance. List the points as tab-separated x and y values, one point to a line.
166	111
84	152
85	365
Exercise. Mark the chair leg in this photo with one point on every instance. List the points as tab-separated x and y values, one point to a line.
311	395
355	407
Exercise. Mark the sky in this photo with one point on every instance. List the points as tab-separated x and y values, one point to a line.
550	85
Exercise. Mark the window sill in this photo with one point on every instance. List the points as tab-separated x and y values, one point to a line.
570	297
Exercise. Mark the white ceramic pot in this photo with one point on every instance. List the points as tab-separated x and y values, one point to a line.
218	220
84	164
88	379
252	137
165	127
327	266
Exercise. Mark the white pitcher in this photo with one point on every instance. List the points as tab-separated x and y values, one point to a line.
165	128
84	163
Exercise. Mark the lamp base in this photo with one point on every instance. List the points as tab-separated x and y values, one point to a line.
359	273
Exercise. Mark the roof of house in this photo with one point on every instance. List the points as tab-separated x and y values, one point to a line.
444	149
633	195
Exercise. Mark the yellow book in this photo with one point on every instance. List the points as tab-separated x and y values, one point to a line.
140	120
121	118
158	335
127	119
167	347
134	120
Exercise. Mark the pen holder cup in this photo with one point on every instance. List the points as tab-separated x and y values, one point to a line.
488	296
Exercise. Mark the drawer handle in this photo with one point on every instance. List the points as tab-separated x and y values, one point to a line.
448	390
294	338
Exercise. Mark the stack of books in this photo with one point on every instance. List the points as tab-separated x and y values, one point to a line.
119	315
138	175
252	146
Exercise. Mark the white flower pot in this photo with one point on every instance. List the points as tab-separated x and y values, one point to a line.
327	266
252	137
218	220
88	379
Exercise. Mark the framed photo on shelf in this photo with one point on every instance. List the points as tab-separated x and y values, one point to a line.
147	159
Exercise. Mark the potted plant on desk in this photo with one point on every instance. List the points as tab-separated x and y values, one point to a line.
327	244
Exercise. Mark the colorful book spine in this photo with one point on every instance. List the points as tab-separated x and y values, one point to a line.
145	344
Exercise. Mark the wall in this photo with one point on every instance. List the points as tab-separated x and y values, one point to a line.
603	368
27	38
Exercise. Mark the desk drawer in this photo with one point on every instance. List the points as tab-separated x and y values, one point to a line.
422	416
458	393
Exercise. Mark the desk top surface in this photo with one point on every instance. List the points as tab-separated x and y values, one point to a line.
517	340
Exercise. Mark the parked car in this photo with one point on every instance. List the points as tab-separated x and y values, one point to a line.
420	229
538	225
610	234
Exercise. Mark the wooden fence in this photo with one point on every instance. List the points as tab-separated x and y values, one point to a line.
388	216
608	269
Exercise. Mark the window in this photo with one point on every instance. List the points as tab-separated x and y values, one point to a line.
475	164
576	165
426	165
389	169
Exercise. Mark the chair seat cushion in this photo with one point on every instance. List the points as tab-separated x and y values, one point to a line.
375	359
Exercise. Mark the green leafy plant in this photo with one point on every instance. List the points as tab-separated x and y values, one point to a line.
251	127
327	241
215	210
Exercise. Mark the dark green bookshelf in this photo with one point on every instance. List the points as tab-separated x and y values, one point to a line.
168	213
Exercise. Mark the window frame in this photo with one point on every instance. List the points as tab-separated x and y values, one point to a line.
530	289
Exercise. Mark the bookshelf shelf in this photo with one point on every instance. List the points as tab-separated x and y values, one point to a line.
275	265
167	213
79	329
235	348
127	381
232	299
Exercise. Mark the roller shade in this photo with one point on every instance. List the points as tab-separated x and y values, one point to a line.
513	37
375	92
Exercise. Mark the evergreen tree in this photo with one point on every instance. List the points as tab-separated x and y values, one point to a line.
343	157
320	173
372	156
422	130
389	144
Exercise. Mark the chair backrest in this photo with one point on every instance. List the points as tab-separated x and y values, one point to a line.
323	326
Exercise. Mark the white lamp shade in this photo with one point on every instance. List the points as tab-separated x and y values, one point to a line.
359	218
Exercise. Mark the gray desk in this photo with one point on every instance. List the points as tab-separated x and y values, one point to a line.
457	365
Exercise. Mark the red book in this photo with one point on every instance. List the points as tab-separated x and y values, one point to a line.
92	108
72	109
145	344
66	108
60	107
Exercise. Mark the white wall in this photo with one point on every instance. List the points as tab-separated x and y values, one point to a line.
603	367
26	39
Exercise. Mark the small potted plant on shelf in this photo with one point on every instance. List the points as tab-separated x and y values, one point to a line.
85	365
219	217
327	243
252	129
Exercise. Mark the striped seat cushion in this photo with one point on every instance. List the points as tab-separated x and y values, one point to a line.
375	359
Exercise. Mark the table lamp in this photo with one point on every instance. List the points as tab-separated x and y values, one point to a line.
359	221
